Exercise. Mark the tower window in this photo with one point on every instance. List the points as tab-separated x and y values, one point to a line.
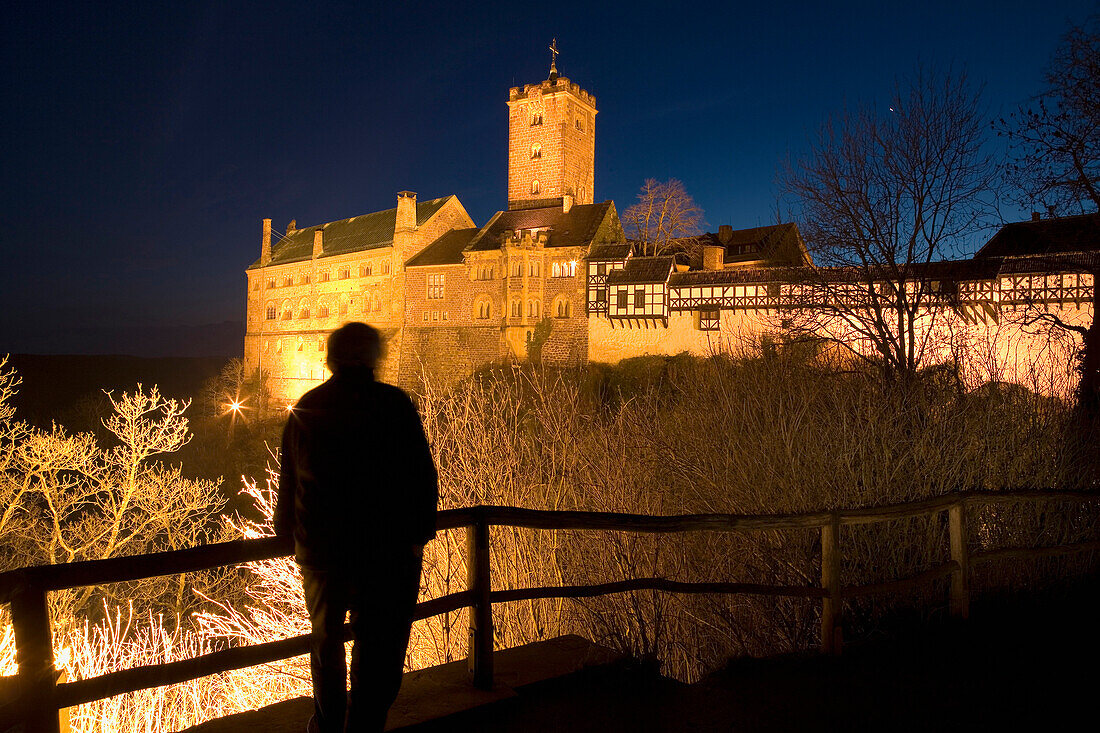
536	151
535	187
579	124
270	314
536	118
386	267
563	309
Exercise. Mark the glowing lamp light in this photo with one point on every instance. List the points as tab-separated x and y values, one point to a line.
290	408
235	406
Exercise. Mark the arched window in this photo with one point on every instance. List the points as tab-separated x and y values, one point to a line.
535	187
270	312
563	308
536	151
533	268
287	310
484	308
534	309
536	118
516	309
517	268
322	310
386	267
375	301
366	270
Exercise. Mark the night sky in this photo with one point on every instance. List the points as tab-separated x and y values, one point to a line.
143	144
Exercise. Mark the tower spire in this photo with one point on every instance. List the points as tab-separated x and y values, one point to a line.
554	59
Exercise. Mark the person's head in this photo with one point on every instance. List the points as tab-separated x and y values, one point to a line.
353	345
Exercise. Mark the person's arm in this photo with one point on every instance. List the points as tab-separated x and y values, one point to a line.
423	478
288	480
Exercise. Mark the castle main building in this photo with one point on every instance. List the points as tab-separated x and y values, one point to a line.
448	295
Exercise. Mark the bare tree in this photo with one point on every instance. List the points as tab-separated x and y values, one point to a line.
883	194
1054	163
665	212
1054	141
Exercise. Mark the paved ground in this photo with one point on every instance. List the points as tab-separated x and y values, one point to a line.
1029	665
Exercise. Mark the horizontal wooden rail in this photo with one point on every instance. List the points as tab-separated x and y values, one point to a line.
1029	553
107	685
25	588
672	586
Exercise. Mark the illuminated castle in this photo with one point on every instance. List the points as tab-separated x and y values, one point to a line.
553	276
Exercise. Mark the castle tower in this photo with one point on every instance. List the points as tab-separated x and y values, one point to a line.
551	143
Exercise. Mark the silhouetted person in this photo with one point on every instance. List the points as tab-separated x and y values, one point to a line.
358	493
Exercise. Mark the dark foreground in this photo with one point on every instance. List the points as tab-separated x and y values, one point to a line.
1017	665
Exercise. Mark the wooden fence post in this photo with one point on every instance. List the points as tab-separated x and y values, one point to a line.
480	654
30	618
832	606
960	579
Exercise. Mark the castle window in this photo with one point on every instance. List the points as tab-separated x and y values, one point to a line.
343	307
563	309
517	268
533	268
533	309
320	344
256	284
639	299
620	299
563	269
366	270
517	309
444	315
536	118
304	312
535	187
345	273
287	311
709	320
305	279
270	312
288	281
301	346
484	272
425	316
271	282
435	315
484	309
322	311
536	151
435	287
323	277
386	267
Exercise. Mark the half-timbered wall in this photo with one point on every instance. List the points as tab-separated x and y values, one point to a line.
637	300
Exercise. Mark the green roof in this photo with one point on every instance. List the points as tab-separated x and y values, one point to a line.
357	234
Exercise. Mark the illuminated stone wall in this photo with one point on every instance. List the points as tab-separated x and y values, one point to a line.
289	348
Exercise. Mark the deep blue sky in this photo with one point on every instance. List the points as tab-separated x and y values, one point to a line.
143	145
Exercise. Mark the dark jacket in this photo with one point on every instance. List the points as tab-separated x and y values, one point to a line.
357	480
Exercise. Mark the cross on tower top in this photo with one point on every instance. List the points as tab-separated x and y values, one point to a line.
553	59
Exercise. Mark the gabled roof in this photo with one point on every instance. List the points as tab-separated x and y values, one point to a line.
447	250
357	234
574	228
777	244
642	270
1045	236
608	252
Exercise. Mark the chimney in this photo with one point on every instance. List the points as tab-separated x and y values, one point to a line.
292	226
714	256
265	244
1035	216
725	233
566	203
317	235
406	211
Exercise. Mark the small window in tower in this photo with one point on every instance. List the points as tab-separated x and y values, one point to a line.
517	268
580	124
535	187
516	312
536	151
536	118
386	267
534	268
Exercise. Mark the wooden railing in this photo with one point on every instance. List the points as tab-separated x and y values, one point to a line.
40	697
